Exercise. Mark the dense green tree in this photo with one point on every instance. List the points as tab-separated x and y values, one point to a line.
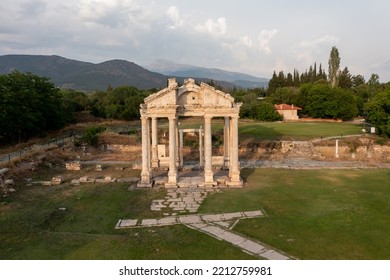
118	103
29	106
324	101
373	85
74	101
345	79
358	80
378	112
334	66
265	111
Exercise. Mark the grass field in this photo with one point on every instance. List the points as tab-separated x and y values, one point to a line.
295	131
311	214
258	131
315	214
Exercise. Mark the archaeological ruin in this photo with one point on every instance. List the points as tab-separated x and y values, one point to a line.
189	100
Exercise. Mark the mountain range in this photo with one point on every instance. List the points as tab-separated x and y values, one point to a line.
79	75
173	69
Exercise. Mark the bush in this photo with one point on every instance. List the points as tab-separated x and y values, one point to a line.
91	135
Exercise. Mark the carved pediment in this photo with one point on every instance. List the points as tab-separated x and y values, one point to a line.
189	97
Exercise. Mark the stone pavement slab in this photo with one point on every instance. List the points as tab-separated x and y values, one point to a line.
167	221
214	225
149	222
252	247
126	223
253	214
273	255
191	219
212	217
231	237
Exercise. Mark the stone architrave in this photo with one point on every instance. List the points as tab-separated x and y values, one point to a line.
190	99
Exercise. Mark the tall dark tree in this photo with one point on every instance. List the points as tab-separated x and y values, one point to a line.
345	79
373	85
334	66
358	80
29	106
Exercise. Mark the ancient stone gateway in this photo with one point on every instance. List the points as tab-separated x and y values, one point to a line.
190	99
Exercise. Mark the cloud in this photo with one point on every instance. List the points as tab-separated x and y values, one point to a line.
307	50
33	8
174	15
261	43
215	28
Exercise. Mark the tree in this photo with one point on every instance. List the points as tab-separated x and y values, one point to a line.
345	79
373	85
324	101
265	111
29	106
378	112
358	80
334	66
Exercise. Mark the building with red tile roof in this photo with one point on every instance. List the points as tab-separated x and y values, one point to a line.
289	112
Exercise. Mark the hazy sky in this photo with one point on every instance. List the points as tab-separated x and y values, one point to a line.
252	36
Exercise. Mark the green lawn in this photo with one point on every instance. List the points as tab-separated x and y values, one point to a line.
257	131
311	214
295	131
315	214
33	227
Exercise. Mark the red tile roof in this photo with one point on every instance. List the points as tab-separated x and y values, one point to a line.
286	107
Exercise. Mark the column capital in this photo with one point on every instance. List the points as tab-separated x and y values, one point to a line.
208	118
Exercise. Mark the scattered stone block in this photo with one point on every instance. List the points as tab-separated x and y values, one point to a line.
99	167
11	190
109	179
86	179
73	166
9	182
56	180
75	182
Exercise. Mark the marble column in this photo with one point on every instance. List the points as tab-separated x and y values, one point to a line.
201	147
208	150
181	148
234	170
226	142
172	173
145	173
154	142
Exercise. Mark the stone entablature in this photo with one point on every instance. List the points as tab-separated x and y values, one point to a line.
189	100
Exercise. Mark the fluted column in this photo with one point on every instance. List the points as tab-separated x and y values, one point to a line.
208	168
226	142
181	148
201	147
145	173
234	170
172	174
154	142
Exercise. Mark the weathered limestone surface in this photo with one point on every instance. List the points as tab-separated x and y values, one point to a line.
189	99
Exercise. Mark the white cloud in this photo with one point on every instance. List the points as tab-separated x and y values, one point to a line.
215	28
265	38
261	43
174	15
308	51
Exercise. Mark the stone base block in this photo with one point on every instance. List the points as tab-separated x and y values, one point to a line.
144	185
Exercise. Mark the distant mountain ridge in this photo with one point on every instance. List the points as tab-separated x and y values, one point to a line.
79	75
171	68
68	73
